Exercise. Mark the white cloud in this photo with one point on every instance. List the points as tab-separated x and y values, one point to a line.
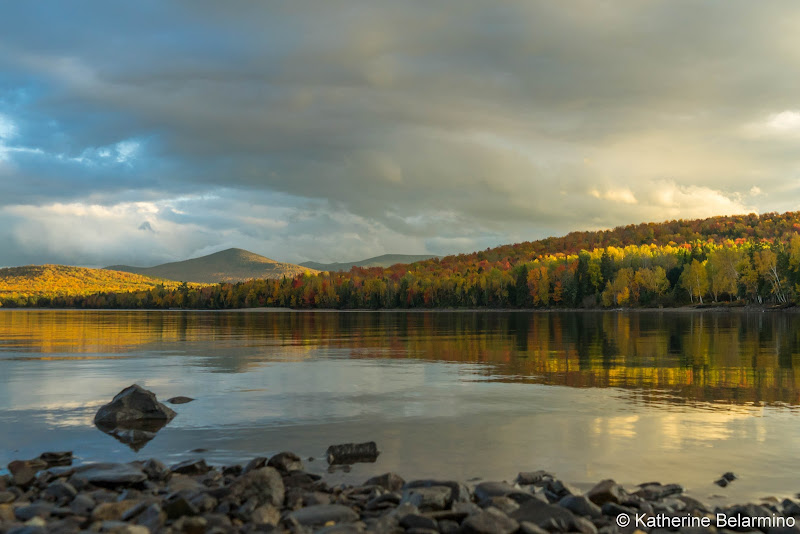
785	121
622	195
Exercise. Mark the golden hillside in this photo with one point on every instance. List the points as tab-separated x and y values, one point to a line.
62	280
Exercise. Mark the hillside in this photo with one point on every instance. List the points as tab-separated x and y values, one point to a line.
231	265
746	259
387	260
33	282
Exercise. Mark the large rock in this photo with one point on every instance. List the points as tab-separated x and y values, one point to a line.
110	475
133	404
351	453
547	516
606	491
264	485
489	521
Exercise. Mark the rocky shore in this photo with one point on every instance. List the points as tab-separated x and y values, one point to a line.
277	494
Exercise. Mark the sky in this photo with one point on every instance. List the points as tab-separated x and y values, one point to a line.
152	131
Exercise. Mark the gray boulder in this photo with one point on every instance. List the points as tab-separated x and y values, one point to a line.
133	404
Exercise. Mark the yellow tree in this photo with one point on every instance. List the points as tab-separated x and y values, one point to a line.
695	280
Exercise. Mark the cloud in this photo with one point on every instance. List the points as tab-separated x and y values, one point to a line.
407	126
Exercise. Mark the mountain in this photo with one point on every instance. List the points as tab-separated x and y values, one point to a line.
21	284
232	265
387	260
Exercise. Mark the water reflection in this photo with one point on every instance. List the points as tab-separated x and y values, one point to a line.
676	397
665	357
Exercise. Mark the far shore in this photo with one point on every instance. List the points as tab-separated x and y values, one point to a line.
681	309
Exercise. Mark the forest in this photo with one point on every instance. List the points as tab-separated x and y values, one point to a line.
736	260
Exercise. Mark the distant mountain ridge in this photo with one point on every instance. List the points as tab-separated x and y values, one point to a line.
231	265
386	260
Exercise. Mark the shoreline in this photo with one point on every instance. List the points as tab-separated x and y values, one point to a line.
277	494
679	309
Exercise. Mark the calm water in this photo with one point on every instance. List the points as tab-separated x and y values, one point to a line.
675	397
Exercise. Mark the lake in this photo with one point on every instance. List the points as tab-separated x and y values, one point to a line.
667	396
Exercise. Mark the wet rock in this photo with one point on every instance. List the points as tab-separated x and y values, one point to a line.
135	438
504	504
133	404
190	525
606	491
60	491
23	472
285	462
487	490
654	491
82	505
180	400
25	513
458	491
256	463
526	527
322	514
721	482
428	498
388	481
581	505
266	515
112	511
156	471
350	453
264	485
153	517
489	521
532	478
729	476
547	516
410	521
191	467
7	497
110	475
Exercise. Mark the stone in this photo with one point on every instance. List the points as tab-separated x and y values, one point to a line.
266	514
350	453
6	512
7	497
112	511
60	491
532	478
156	471
428	498
581	505
153	517
180	400
25	513
190	525
504	504
388	481
487	490
489	521
458	491
133	404
191	467
410	521
177	506
56	459
256	463
729	476
323	513
24	472
721	482
654	491
110	475
264	485
606	491
82	505
542	514
527	527
285	462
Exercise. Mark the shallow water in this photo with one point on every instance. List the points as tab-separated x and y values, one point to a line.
674	397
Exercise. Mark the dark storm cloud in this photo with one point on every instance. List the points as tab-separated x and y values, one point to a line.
413	124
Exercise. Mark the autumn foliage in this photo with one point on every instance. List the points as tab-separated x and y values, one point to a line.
747	258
